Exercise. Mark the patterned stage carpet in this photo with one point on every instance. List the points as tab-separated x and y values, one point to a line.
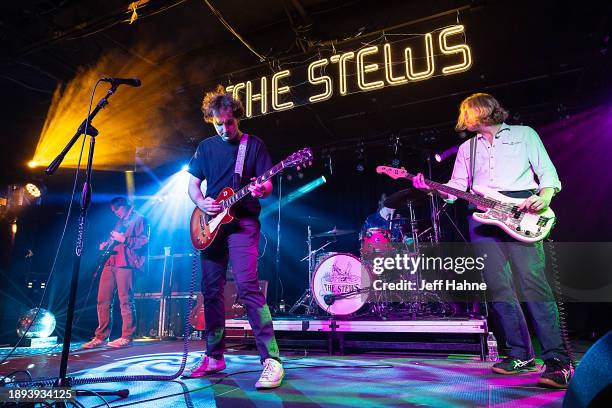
365	380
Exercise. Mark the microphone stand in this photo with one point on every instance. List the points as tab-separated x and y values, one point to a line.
87	129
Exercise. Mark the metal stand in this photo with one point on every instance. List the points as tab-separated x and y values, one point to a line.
86	129
307	298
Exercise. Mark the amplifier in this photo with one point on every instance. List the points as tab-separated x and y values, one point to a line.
171	321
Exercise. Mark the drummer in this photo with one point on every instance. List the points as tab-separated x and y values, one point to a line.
383	218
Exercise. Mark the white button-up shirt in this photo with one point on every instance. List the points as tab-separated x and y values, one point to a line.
511	163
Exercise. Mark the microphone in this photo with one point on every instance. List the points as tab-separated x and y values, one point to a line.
122	81
329	299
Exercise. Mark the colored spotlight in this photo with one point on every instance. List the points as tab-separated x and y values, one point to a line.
185	167
294	195
33	190
32	164
441	156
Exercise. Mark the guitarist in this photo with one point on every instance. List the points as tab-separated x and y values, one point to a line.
215	161
508	159
128	243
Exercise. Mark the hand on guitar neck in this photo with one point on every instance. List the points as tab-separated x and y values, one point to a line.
418	181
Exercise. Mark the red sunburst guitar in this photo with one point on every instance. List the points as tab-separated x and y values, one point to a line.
498	209
204	227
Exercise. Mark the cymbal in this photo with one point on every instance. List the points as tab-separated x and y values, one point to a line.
402	197
308	218
334	233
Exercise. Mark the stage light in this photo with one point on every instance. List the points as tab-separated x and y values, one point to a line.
42	327
294	195
14	227
134	117
169	204
441	156
360	160
185	167
32	164
33	190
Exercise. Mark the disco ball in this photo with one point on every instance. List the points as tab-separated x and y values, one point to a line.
42	327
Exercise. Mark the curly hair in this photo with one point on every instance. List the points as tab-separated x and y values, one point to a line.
486	108
217	100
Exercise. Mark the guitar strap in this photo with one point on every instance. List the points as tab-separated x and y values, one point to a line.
472	163
240	161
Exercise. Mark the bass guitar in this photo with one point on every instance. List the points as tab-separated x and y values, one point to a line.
497	208
204	228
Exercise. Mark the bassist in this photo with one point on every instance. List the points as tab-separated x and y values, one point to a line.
508	159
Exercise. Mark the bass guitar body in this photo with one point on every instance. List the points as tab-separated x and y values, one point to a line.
523	226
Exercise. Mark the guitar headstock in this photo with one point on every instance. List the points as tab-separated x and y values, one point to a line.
393	172
301	158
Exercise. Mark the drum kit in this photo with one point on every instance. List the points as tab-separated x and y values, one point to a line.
340	284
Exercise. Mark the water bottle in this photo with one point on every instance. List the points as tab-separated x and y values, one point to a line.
492	346
281	306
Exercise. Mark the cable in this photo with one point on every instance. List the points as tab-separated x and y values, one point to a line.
15	372
231	30
124	378
558	289
99	396
59	245
219	380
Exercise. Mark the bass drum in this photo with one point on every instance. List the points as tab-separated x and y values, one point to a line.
341	284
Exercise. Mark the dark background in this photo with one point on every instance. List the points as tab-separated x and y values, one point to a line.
548	62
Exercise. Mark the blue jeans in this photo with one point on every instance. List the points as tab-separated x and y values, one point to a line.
236	242
508	261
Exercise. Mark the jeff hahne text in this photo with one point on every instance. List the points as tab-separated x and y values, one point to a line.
412	264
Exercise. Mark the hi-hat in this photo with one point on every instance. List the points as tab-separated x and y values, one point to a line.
333	233
402	197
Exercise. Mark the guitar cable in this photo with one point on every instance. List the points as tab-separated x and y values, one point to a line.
558	291
72	381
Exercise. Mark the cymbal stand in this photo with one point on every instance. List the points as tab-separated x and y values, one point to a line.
307	298
435	213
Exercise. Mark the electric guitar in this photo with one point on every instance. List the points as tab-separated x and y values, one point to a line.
109	248
204	228
498	209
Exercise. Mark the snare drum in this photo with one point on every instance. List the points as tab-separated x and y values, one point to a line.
341	284
375	240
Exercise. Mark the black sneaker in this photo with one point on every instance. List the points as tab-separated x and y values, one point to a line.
557	373
513	365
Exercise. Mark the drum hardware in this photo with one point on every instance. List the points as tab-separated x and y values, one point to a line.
307	300
334	233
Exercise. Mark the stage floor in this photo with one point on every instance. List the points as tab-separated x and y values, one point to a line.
364	380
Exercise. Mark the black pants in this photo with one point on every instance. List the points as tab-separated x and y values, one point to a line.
236	242
507	261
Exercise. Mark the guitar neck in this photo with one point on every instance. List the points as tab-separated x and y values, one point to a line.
245	190
472	198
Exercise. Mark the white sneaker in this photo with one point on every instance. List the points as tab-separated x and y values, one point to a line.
94	343
206	365
120	342
271	376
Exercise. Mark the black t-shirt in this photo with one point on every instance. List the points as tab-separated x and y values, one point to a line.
215	162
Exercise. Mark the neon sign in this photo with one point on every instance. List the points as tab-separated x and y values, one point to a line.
368	64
